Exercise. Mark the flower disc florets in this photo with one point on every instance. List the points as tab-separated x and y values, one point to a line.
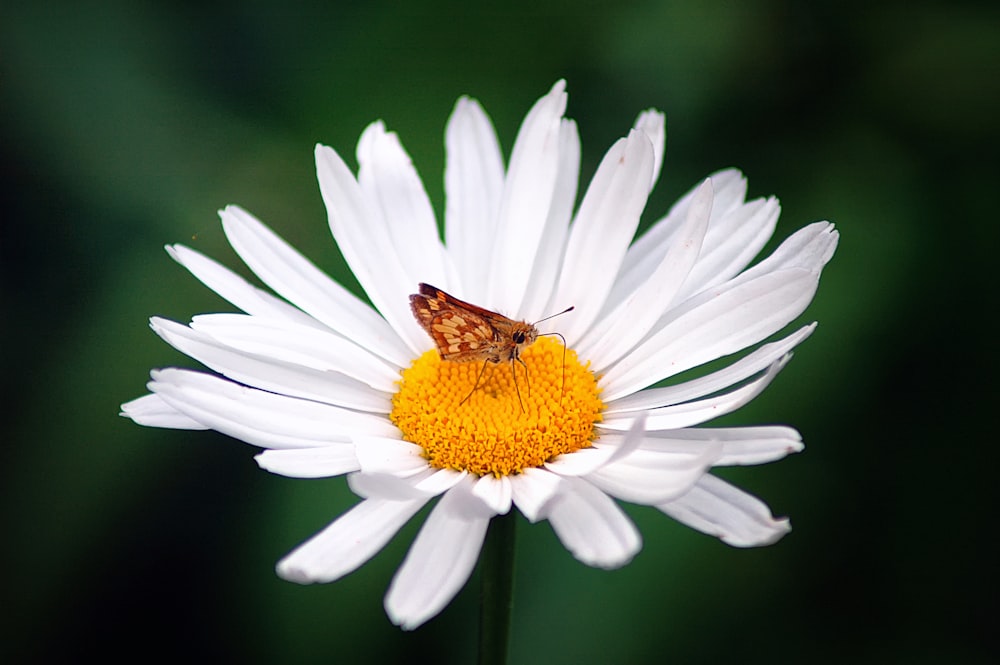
489	432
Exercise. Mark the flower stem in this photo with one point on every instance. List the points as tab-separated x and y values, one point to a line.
496	595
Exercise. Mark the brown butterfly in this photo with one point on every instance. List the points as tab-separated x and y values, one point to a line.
464	332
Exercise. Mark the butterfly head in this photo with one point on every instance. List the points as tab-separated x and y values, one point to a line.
522	335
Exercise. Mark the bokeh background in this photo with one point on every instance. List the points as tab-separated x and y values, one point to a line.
126	125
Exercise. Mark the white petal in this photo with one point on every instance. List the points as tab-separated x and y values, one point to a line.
584	461
757	361
527	196
602	230
350	541
607	449
270	374
592	527
732	316
152	411
719	509
730	190
650	476
735	445
740	445
619	331
495	492
809	248
441	558
389	487
362	239
324	462
405	484
258	417
300	345
653	124
473	183
389	455
441	480
647	251
712	325
743	446
237	290
537	300
731	244
392	186
293	276
697	412
532	490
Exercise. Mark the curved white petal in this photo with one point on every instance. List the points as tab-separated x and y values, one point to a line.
270	374
300	345
392	186
440	480
809	248
495	492
591	526
697	412
473	184
237	290
537	302
324	462
441	558
734	315
607	449
389	487
757	361
296	278
647	251
405	484
532	490
602	230
713	325
719	509
258	417
389	455
653	124
584	461
628	323
364	242
152	411
648	477
741	446
732	242
527	197
348	542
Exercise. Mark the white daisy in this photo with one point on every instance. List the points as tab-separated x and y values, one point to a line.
327	385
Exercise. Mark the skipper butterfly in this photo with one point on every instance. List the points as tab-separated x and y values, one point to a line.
464	332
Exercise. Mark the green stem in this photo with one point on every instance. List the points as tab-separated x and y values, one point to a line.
496	596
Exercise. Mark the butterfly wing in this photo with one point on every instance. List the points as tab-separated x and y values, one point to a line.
460	332
455	303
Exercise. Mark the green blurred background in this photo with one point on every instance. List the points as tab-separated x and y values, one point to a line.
126	125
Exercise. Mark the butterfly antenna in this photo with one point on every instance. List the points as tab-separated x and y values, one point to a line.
552	316
562	386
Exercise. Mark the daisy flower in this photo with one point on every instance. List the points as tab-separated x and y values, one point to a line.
329	385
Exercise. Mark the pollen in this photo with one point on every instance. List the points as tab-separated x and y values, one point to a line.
504	421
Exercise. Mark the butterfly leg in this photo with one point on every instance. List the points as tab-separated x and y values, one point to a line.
513	374
478	379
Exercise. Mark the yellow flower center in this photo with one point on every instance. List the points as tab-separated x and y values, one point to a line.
490	432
